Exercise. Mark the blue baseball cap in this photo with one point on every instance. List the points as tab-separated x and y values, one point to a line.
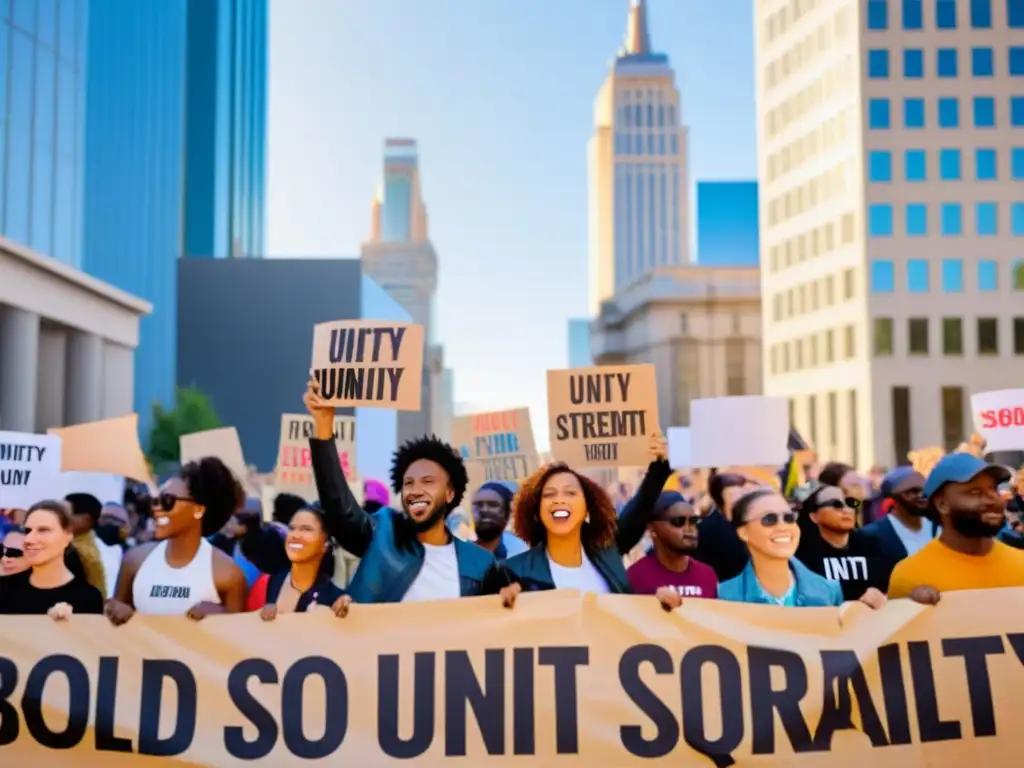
961	468
900	479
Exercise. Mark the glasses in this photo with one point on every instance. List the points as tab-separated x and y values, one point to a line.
847	503
683	521
11	552
771	519
166	501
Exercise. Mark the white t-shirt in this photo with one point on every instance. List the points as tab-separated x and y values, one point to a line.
586	578
438	579
160	589
914	540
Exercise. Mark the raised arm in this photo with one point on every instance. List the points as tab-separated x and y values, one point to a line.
636	513
347	522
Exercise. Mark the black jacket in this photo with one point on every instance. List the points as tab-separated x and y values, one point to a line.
390	554
323	592
888	544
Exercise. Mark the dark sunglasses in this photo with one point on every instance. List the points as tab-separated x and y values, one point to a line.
683	521
11	552
847	503
772	519
166	501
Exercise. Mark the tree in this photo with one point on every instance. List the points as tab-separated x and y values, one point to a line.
193	412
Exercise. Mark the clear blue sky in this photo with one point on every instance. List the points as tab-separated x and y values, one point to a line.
499	94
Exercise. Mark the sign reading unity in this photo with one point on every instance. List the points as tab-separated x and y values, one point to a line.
602	416
496	446
29	468
369	363
598	681
294	470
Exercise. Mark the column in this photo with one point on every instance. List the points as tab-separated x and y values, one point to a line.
53	356
83	393
19	369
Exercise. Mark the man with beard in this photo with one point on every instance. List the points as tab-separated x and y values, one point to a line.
492	507
963	491
407	556
907	528
673	531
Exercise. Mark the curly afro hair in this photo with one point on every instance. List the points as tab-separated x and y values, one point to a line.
437	451
211	484
598	534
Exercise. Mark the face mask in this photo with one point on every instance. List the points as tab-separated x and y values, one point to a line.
110	534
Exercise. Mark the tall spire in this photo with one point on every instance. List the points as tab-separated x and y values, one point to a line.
638	38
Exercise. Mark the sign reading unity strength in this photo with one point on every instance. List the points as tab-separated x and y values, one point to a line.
602	416
609	681
369	363
496	446
29	468
294	470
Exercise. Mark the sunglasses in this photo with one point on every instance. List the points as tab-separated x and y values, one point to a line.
11	552
847	503
683	521
166	501
771	519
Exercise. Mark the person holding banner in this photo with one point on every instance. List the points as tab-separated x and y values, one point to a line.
181	573
50	588
577	541
406	556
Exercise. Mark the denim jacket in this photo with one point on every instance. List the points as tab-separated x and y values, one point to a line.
390	554
812	590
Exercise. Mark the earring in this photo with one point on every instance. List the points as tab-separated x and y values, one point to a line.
587	518
199	515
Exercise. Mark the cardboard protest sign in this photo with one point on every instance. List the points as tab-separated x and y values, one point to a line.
29	468
924	459
496	446
999	418
602	416
369	363
294	469
222	443
604	682
110	446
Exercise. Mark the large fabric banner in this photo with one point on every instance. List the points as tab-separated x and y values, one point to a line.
560	680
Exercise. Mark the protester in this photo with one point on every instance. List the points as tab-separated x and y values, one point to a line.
242	532
406	556
832	546
962	489
85	513
1013	532
307	581
51	588
718	545
181	572
12	553
673	529
907	528
576	539
492	508
114	526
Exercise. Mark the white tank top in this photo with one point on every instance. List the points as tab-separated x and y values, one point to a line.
160	589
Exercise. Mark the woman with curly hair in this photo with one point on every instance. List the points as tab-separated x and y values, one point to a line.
576	539
408	555
181	573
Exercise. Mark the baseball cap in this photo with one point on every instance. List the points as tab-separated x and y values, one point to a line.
900	479
961	468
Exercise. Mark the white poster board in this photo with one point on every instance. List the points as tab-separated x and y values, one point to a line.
999	418
752	430
29	468
680	452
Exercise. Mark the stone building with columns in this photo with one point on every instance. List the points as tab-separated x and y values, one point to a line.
67	343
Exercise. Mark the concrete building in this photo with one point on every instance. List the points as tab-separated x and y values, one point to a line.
67	343
400	258
699	326
579	343
637	160
727	225
891	156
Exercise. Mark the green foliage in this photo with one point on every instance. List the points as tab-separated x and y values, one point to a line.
193	412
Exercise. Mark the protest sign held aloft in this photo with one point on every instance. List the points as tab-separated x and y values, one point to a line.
29	468
293	472
369	363
602	416
496	446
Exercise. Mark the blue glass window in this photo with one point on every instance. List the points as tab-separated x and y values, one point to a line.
19	137
880	220
1017	163
949	113
915	165
878	14
1015	13
1017	219
1016	59
981	14
1017	109
952	219
945	14
878	63
879	165
985	166
984	112
878	113
913	113
949	164
988	275
986	219
913	18
982	62
945	62
913	63
952	276
883	276
917	219
917	276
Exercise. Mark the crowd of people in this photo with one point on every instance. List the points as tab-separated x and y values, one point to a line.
200	547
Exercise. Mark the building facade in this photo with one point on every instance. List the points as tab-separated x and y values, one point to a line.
727	224
226	129
637	168
579	343
699	326
42	71
891	162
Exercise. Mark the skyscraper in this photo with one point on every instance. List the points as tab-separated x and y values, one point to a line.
891	156
638	179
579	343
727	227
